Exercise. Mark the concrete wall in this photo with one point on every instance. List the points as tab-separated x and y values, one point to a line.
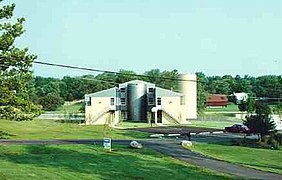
98	111
173	106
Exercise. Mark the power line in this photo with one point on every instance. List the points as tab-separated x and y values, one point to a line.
111	72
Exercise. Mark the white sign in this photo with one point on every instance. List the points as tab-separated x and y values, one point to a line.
107	143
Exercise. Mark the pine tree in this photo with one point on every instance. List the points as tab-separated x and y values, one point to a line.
15	69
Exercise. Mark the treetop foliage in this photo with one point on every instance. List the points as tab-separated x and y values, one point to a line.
15	69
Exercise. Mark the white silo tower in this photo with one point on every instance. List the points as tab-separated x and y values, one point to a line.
188	86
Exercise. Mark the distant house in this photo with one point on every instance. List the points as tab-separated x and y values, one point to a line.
239	97
215	100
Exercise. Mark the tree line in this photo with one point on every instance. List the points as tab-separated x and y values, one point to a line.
47	90
22	94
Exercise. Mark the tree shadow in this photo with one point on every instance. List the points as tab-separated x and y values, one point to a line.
5	135
133	134
121	163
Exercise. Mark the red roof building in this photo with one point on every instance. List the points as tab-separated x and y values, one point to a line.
216	100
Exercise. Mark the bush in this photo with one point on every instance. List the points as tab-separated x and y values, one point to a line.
51	102
24	114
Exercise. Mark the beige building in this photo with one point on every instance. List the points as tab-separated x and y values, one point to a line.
142	101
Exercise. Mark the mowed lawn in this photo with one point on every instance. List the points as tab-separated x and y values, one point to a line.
92	162
258	158
217	124
230	108
69	108
51	129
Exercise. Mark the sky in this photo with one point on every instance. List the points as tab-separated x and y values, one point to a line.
235	37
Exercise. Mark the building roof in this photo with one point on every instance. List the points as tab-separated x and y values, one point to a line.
216	98
112	91
167	93
105	93
136	82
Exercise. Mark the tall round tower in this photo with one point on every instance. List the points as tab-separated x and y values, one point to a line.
188	86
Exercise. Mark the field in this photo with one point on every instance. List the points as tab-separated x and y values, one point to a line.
92	162
69	108
85	161
230	108
217	124
51	129
263	159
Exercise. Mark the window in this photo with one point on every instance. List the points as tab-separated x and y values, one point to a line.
122	101
159	101
151	90
112	101
182	100
122	90
151	101
123	115
88	101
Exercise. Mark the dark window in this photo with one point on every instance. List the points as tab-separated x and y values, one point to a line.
112	101
122	101
151	90
159	101
123	114
88	101
122	90
151	101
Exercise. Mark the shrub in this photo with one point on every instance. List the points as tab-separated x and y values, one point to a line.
51	102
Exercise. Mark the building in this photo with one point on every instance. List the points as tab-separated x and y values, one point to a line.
142	101
239	97
215	100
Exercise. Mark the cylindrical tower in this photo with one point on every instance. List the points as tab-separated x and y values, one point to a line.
137	101
189	88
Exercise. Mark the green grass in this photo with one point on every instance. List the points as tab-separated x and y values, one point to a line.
230	108
213	123
69	108
126	124
50	129
92	162
263	159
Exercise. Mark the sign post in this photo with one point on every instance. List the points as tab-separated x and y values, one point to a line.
107	143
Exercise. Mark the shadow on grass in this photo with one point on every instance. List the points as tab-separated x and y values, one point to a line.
133	134
122	163
4	135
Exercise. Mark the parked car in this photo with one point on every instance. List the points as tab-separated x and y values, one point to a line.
237	128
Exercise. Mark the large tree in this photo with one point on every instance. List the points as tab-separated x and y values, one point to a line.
15	69
261	122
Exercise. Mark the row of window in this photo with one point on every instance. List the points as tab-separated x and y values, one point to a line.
150	90
123	101
151	101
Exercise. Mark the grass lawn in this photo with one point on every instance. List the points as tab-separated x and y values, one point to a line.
263	159
69	108
51	129
213	123
92	162
230	108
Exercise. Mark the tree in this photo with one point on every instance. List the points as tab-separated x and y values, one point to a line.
261	122
278	109
125	76
15	73
51	101
201	92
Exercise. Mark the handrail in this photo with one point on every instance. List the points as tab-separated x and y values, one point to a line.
170	115
103	112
